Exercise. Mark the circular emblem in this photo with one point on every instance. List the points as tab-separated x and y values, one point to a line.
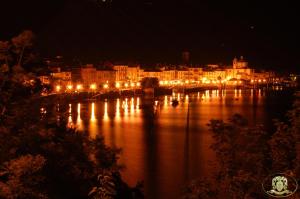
279	185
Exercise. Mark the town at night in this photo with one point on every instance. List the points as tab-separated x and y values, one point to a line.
149	99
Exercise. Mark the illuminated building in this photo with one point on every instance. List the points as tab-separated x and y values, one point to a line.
106	76
133	73
121	72
152	73
88	74
240	69
168	75
45	80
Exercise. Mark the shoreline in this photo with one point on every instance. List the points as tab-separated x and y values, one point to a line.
94	96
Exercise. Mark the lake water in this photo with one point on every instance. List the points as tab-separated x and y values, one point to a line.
156	146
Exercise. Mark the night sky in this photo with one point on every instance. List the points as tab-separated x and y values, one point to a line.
150	31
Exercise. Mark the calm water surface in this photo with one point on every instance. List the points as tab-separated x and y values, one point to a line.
157	148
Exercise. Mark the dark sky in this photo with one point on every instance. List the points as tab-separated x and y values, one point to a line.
266	33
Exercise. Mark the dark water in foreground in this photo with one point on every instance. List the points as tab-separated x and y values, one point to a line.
155	145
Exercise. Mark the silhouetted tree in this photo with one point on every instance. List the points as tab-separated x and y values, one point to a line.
40	157
246	155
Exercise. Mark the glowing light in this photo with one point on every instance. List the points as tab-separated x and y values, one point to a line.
138	84
132	84
132	105
126	85
69	87
166	100
259	80
161	82
93	118
93	86
126	104
187	81
105	117
79	87
252	80
43	110
93	126
118	85
137	102
118	109
105	86
78	111
70	122
79	121
58	87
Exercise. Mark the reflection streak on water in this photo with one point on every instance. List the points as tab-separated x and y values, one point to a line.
137	103
79	120
93	117
93	127
105	116
132	105
166	101
118	115
125	107
70	121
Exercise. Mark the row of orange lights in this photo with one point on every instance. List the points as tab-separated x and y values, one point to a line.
94	86
259	80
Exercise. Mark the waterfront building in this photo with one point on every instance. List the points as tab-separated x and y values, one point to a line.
152	73
183	74
45	80
239	63
121	74
106	76
88	75
195	73
66	76
133	73
61	79
168	75
214	75
240	69
263	76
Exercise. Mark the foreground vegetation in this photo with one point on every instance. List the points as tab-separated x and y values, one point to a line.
247	155
40	157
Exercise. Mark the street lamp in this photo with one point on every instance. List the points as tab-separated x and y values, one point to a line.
58	87
79	87
105	86
93	86
69	87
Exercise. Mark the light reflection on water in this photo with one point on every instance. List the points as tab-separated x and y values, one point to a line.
155	145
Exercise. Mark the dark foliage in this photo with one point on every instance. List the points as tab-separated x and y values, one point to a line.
246	155
40	157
